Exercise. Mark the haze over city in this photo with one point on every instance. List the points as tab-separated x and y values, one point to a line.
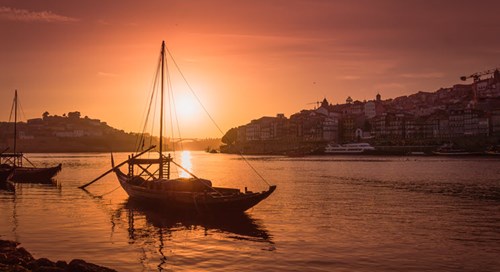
243	59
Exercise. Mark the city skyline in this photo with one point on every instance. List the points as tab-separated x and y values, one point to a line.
244	60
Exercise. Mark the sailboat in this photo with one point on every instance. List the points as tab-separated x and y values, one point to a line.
193	193
15	160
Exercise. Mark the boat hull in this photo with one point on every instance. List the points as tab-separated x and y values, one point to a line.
5	184
4	174
35	175
194	200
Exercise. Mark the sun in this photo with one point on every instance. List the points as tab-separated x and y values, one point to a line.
186	107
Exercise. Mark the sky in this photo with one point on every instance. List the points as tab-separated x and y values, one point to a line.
243	59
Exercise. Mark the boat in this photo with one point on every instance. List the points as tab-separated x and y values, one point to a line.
351	148
152	183
449	149
493	151
15	161
5	173
212	150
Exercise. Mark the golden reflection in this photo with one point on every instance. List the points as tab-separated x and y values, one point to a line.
186	163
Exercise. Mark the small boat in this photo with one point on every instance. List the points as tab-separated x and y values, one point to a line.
351	148
452	150
493	151
212	150
416	153
23	174
15	160
153	183
5	173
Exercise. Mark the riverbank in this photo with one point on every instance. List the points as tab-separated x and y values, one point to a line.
15	258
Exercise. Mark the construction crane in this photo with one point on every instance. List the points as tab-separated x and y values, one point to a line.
477	76
317	103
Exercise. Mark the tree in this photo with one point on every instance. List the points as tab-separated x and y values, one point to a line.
45	114
230	136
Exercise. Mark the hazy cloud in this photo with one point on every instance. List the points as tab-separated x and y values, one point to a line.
423	75
104	74
349	77
23	15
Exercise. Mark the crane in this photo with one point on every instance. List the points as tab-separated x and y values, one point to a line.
477	76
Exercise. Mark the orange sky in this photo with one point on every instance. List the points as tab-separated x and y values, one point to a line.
244	59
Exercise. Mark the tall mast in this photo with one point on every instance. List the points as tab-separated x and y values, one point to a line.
15	122
160	173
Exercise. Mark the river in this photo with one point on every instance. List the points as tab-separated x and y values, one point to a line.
329	213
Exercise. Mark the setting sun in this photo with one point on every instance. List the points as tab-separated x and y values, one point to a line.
186	107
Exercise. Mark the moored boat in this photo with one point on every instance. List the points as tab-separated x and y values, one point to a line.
15	160
149	179
351	148
5	173
23	174
190	194
452	150
493	151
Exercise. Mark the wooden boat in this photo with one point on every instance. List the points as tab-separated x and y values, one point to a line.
35	174
15	161
5	173
193	193
21	174
190	194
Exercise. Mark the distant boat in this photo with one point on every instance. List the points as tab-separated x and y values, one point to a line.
15	162
493	151
452	150
351	148
5	172
212	150
153	182
416	153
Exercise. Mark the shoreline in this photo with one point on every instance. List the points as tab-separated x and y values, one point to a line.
16	258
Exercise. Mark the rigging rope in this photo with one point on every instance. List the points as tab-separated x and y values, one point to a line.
110	191
192	91
210	116
171	97
170	102
21	109
155	104
12	110
145	114
23	115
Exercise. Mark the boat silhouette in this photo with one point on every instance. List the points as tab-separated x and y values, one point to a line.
149	179
14	161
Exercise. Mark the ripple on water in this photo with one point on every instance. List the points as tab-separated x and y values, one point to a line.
328	214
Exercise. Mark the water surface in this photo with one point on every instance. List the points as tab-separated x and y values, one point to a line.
338	213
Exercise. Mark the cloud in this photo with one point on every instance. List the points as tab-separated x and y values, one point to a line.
23	15
349	77
104	74
423	75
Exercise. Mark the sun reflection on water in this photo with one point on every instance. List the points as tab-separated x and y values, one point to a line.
186	163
